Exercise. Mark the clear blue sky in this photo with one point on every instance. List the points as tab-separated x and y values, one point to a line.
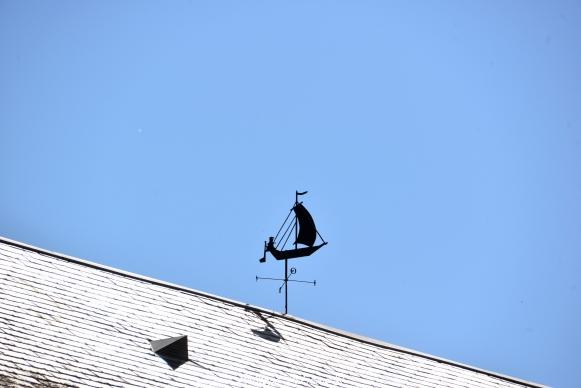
440	143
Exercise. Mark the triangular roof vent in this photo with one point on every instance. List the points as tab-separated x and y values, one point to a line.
173	350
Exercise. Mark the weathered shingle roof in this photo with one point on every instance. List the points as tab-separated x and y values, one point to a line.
68	322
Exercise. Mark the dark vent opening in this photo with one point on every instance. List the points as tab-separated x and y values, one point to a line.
174	351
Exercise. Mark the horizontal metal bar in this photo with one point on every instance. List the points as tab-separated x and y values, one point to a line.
303	281
260	278
290	280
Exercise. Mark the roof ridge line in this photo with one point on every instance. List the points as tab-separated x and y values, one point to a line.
316	325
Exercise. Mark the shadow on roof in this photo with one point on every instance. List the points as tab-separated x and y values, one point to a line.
269	332
174	363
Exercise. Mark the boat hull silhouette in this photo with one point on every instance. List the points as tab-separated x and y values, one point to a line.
291	253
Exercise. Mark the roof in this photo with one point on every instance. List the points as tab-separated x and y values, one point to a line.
69	322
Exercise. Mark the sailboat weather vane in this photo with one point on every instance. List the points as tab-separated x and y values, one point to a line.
305	233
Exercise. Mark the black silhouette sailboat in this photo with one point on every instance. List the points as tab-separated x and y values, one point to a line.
305	231
305	234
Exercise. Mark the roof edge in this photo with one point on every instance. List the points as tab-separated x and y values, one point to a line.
329	329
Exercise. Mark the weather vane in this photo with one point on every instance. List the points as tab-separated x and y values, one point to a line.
305	233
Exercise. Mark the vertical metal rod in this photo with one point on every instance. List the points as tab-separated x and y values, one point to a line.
296	220
286	260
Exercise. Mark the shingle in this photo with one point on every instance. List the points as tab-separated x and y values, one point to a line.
69	322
